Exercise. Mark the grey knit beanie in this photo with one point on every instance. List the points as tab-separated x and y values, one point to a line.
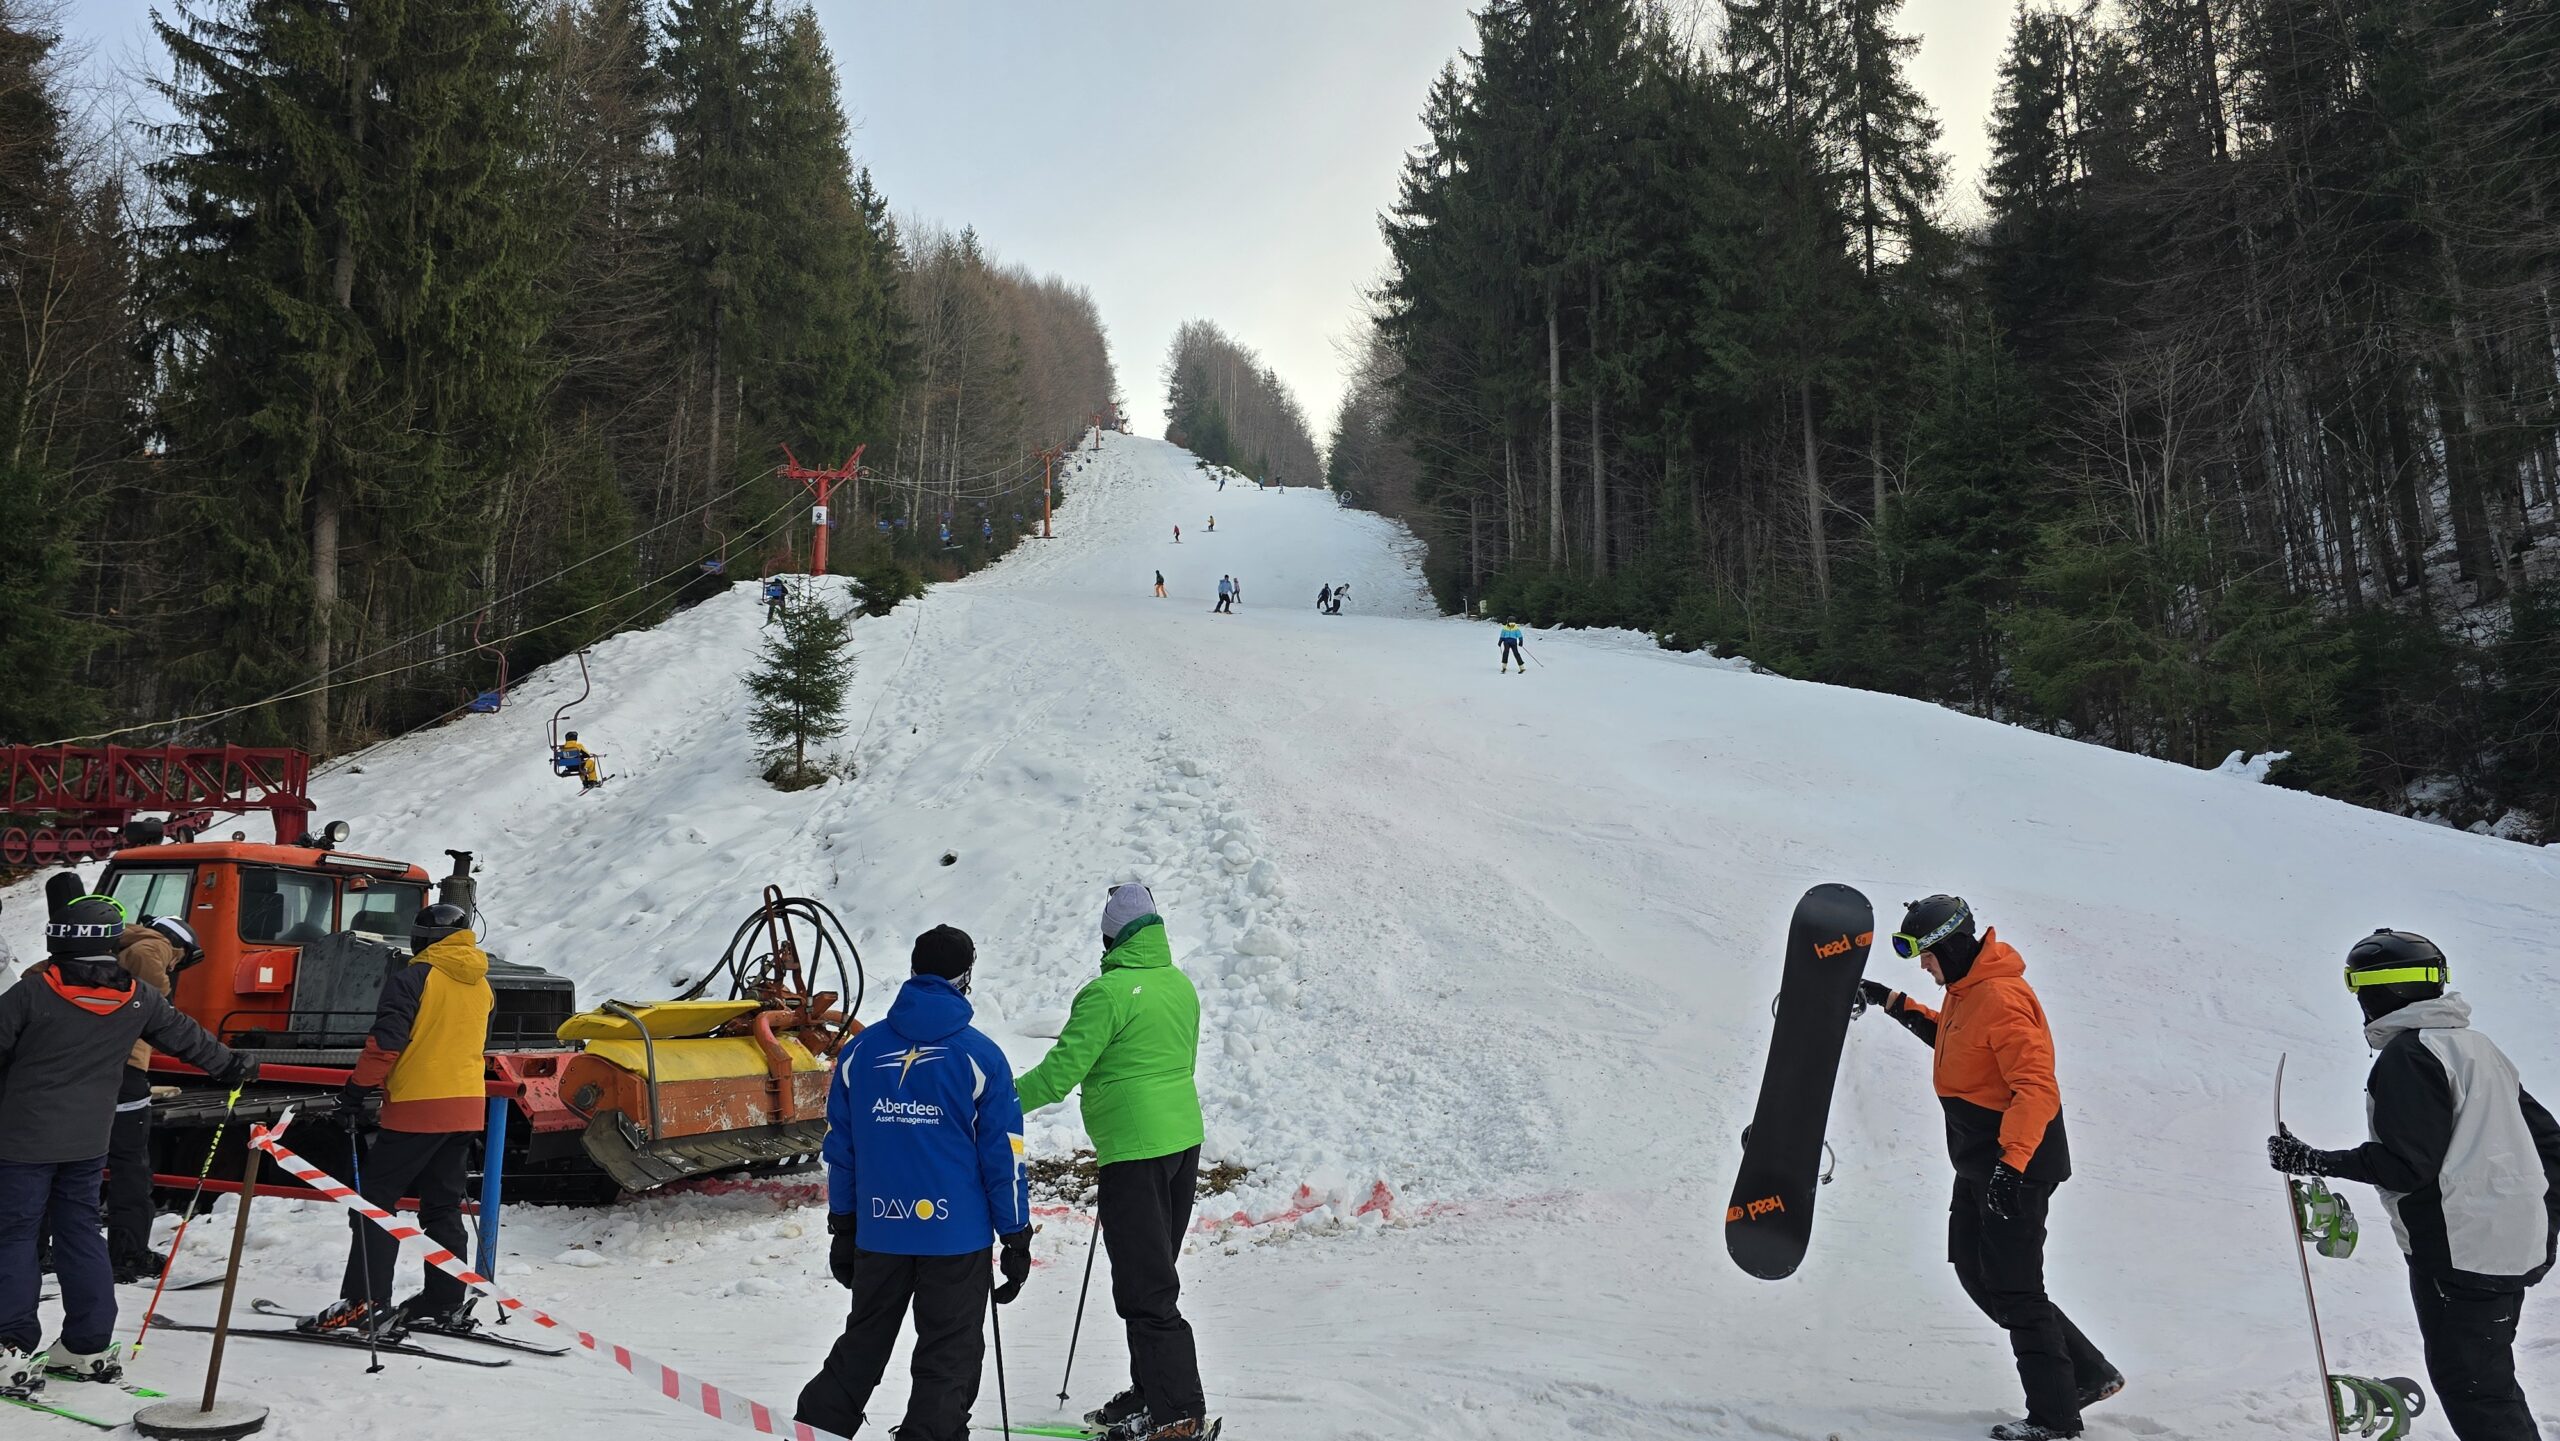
1128	905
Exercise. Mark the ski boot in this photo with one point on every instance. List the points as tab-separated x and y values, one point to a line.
2030	1431
1121	1413
1188	1428
135	1267
416	1315
353	1318
21	1374
105	1366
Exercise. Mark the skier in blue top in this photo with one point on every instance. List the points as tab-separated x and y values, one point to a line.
1511	647
924	1156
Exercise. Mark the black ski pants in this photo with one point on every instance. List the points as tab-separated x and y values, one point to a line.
2471	1358
437	1165
1146	1206
2001	1265
950	1298
1511	652
129	1173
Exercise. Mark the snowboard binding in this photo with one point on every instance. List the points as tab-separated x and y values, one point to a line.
2380	1410
2325	1218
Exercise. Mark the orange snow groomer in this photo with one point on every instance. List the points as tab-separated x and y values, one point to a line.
1992	1061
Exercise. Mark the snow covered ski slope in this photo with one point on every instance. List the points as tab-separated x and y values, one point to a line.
1502	943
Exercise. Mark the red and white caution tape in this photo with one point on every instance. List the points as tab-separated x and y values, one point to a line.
664	1379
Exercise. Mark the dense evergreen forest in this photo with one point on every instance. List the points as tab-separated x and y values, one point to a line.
431	338
1228	407
2224	420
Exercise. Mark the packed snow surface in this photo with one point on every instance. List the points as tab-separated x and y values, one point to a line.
1503	943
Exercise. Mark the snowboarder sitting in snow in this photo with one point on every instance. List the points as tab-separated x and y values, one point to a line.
426	1052
774	598
2468	1164
1994	1075
574	759
67	1033
1511	647
921	1105
1131	1042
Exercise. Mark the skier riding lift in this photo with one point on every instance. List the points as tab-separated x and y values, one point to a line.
574	759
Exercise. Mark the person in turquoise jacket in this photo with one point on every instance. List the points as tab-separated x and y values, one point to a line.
1130	1044
1511	647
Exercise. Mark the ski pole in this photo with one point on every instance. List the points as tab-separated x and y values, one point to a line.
364	1254
1004	1408
1093	1243
189	1214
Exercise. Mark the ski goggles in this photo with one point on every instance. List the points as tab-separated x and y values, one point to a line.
2394	976
1910	947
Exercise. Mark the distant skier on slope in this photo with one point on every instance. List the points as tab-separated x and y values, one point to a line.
1159	585
1177	535
1213	525
1324	597
1226	596
774	596
1235	589
922	1105
2468	1164
1131	1044
1341	593
1510	647
1994	1075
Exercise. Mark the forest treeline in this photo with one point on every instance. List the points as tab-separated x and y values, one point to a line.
2227	420
1226	406
428	339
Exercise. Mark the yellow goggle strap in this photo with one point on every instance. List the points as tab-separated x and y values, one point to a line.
2393	976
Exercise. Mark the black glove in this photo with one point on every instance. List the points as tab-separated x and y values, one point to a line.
351	1105
2290	1154
2005	1197
1014	1260
240	1072
840	1247
1876	993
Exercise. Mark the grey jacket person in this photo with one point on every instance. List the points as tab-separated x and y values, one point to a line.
2468	1163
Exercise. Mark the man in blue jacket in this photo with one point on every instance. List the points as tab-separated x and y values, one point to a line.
924	1166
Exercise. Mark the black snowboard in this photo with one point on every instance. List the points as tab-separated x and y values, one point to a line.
1771	1218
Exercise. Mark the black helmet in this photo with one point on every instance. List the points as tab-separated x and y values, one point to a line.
573	735
2389	969
435	923
86	928
1941	925
179	934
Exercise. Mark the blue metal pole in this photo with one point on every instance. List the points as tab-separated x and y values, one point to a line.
493	1165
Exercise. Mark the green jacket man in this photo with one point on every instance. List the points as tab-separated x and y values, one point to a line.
1131	1043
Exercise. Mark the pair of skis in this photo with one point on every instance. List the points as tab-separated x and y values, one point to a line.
387	1345
1769	1220
38	1402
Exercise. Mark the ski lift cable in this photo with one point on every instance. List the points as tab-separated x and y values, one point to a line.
304	688
320	682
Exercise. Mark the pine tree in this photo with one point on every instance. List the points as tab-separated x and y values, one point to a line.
799	689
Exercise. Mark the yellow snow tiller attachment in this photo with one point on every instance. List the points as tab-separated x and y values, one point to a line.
671	1089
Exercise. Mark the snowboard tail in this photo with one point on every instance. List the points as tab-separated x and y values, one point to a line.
1769	1221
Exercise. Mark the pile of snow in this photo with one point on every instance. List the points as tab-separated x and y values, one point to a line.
1485	963
2252	768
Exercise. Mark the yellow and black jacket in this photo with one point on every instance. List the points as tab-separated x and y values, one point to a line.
429	1044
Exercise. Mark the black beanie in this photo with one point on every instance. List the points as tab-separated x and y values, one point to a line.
85	929
945	951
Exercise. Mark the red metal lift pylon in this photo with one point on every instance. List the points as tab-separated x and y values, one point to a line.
818	483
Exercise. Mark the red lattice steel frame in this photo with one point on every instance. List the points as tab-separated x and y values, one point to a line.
71	803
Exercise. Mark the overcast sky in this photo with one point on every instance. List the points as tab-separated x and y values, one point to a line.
1224	160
